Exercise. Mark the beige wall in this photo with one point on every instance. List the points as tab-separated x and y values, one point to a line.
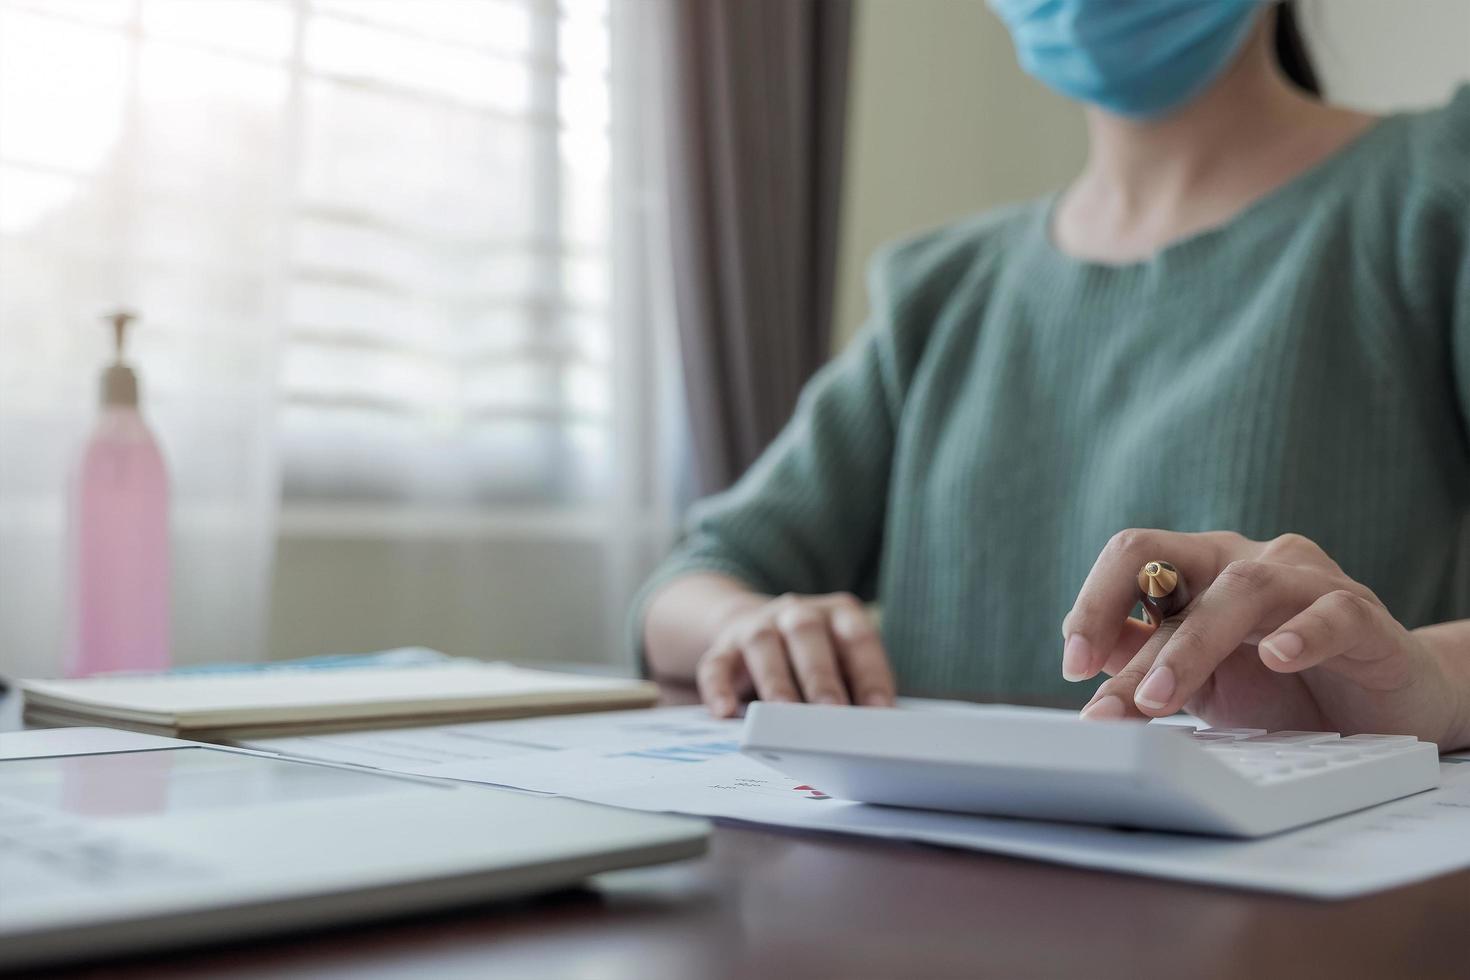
942	122
464	595
1390	54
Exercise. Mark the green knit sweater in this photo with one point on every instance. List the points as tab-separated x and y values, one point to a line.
1305	367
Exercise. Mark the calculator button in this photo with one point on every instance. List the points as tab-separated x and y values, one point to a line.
1382	739
1385	748
1263	763
1248	766
1293	738
1245	746
1232	732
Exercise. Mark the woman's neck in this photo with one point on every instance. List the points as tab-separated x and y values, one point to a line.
1149	183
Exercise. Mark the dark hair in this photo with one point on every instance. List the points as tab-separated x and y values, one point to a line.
1292	53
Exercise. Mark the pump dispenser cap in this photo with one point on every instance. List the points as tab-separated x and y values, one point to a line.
120	382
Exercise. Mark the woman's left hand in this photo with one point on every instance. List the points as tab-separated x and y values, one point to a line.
1276	637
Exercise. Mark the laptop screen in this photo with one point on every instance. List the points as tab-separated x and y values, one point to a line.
121	784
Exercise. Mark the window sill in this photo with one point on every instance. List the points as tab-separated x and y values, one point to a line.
345	520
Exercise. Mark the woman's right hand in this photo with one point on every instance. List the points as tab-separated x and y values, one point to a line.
820	648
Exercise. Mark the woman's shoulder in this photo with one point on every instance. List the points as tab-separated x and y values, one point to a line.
1438	142
914	279
1402	194
934	258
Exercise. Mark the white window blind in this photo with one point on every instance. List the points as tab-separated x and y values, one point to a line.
447	314
416	191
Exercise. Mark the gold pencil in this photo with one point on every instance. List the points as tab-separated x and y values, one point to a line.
1162	590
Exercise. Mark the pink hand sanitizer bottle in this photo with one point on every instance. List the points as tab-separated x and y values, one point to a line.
119	602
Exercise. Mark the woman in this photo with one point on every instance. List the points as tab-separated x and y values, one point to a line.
1246	323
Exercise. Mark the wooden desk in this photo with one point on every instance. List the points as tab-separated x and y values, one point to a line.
772	904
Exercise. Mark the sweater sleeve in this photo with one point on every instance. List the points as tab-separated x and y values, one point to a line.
1460	336
1452	159
808	515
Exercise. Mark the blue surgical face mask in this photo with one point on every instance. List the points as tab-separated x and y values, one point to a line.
1138	58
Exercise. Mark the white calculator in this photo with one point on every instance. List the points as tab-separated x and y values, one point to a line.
1011	762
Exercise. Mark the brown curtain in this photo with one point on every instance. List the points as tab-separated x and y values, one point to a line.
758	97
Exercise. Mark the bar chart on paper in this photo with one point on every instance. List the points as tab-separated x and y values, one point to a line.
677	735
650	763
692	752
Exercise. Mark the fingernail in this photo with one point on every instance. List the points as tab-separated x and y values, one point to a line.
1285	647
876	700
1104	709
722	708
1077	658
1156	690
828	699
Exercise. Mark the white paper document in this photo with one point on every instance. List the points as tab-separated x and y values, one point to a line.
681	760
423	751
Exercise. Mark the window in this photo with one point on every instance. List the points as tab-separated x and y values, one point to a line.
372	243
447	310
412	193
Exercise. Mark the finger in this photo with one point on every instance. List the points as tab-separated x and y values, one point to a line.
1294	549
1113	700
1111	589
860	650
1247	600
766	659
804	628
1341	625
718	678
1131	638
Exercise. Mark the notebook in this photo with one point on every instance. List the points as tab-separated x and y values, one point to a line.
254	704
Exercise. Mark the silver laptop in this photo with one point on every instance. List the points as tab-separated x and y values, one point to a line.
117	842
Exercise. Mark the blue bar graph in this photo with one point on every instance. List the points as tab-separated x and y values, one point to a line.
692	752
